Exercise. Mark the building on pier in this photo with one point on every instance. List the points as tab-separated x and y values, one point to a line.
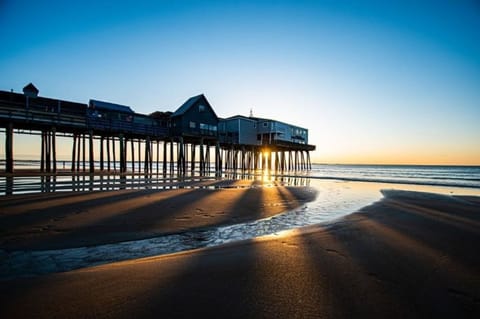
195	118
187	135
260	131
238	129
253	143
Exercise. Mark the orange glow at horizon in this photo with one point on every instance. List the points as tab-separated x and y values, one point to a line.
400	159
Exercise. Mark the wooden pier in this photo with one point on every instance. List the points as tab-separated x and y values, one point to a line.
188	140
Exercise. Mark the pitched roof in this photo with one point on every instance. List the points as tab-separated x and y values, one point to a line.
189	103
30	88
241	117
110	106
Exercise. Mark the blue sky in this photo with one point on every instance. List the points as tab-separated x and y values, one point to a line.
374	81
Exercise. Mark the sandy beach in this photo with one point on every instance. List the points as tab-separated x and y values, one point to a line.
410	255
74	219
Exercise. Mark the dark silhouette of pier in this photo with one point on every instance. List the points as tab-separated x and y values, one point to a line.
192	136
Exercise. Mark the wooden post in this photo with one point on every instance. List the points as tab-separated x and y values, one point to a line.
150	154
171	156
48	147
114	154
54	149
184	157
296	160
125	147
132	149
227	153
101	153
192	160
207	161
73	151
83	150
9	148
276	162
164	157
122	153
139	155
201	157
181	157
79	151
178	157
264	160
91	152
158	152
290	160
108	153
146	164
235	159
42	152
244	159
218	164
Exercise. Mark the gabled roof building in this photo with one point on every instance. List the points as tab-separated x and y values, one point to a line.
195	118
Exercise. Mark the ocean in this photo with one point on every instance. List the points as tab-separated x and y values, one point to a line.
456	176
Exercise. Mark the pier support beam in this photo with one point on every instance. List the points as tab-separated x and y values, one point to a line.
42	152
9	148
147	156
132	151
48	145
108	153
101	153
181	157
91	161
122	153
114	154
83	152
202	158
164	157
192	158
139	155
73	151
218	160
158	154
171	156
54	149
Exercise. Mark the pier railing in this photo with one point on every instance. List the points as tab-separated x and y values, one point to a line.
32	118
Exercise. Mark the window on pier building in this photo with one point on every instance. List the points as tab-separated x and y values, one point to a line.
208	127
193	124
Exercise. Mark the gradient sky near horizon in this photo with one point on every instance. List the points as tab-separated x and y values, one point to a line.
394	82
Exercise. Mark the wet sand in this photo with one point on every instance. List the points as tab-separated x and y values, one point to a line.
410	255
75	219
